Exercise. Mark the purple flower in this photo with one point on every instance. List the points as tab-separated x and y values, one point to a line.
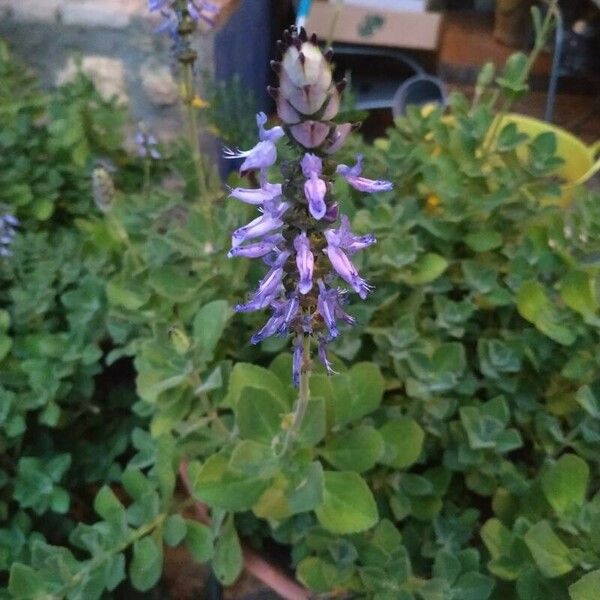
290	312
362	184
257	250
291	228
268	135
146	145
326	305
264	154
257	196
8	231
315	188
155	5
344	267
268	222
305	262
271	327
267	291
200	10
324	358
297	361
346	240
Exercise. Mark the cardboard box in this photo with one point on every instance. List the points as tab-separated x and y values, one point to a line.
376	27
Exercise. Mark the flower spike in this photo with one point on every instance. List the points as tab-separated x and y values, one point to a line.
300	234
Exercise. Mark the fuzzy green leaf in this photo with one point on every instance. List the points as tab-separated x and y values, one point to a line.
348	504
355	450
403	439
146	566
565	484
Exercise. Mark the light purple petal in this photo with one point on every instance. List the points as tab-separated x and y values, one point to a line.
362	184
324	358
257	196
305	263
257	250
268	135
311	165
346	270
270	328
297	360
326	305
256	228
315	190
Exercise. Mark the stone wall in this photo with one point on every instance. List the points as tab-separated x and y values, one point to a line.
115	43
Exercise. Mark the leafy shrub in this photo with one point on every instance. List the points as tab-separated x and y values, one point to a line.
455	453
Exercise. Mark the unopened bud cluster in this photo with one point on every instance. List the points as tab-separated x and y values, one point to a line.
300	234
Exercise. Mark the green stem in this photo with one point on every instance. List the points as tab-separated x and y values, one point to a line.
82	574
146	177
303	398
538	46
194	140
207	406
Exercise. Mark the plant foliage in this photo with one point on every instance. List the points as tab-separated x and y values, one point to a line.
454	455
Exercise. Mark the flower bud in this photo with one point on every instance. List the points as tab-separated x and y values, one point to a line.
306	83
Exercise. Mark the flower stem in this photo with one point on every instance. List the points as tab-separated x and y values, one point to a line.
193	132
303	398
540	41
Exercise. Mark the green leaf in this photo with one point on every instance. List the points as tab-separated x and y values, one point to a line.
348	504
107	505
484	241
146	566
356	393
209	324
549	552
314	423
292	493
174	530
5	345
25	583
535	306
259	415
253	459
586	588
356	450
214	484
321	575
228	560
174	283
565	484
427	269
578	291
199	540
403	439
127	293
589	401
248	375
473	586
115	571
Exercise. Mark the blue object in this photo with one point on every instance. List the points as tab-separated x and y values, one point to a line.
303	11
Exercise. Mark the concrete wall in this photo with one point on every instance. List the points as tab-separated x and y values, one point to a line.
116	44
